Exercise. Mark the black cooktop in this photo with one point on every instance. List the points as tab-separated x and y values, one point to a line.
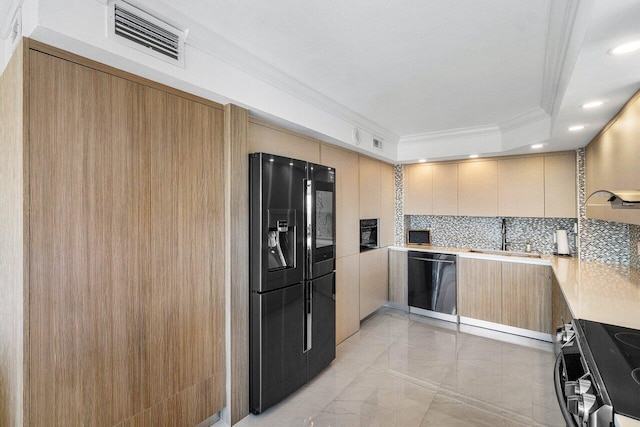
616	353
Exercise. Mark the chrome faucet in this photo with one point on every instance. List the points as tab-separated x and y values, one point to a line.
504	235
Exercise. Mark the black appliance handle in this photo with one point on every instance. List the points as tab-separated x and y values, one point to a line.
568	418
433	260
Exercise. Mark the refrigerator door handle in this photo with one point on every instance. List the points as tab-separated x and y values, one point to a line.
309	226
308	316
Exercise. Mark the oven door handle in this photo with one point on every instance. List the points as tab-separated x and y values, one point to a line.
568	418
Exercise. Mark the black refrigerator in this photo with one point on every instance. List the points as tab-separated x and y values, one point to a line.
292	275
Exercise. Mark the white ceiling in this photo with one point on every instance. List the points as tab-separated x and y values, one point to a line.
434	79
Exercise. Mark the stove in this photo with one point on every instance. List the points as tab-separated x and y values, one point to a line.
597	374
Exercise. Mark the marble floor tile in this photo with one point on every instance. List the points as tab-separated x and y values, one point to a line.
409	371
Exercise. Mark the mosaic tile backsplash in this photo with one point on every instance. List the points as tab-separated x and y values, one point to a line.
485	233
596	240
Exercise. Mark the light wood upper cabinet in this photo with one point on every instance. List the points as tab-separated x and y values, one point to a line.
398	277
445	189
387	205
347	296
478	188
480	289
374	282
560	186
418	189
265	137
369	178
526	296
347	190
521	187
611	163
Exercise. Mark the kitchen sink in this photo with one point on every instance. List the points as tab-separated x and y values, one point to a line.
506	253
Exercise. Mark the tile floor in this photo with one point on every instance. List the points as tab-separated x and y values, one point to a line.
406	370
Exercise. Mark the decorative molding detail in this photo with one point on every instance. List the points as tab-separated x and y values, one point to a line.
568	23
444	135
7	16
219	47
524	119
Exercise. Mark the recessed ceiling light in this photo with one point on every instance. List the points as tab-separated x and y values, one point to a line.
592	104
422	160
536	146
625	48
576	127
473	156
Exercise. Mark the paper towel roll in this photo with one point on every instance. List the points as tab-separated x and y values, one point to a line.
562	242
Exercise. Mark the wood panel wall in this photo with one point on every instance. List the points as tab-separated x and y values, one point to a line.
13	293
128	249
236	153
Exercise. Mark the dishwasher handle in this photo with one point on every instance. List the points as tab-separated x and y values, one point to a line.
444	261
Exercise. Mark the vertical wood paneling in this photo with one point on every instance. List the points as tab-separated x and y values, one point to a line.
480	289
398	277
237	179
560	312
374	280
127	242
560	186
418	192
526	296
369	177
12	253
268	138
347	296
187	249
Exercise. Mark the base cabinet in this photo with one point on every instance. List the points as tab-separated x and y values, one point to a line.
347	297
398	278
560	312
374	286
507	293
526	296
480	289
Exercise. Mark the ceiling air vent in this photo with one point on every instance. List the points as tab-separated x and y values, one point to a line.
142	31
377	143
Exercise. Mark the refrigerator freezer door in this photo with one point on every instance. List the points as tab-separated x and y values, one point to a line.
323	325
278	364
278	227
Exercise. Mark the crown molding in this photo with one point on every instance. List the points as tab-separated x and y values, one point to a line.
567	25
524	119
223	49
451	134
7	14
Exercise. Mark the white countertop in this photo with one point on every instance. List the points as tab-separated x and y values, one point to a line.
607	293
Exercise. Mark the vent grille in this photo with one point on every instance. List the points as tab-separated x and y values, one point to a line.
377	143
147	33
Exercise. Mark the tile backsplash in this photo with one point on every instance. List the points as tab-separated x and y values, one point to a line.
596	240
485	232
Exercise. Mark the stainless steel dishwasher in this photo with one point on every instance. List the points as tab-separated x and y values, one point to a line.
432	285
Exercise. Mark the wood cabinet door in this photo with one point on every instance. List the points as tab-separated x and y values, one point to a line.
445	189
560	312
347	297
265	137
526	296
521	187
369	178
374	283
126	238
480	289
386	230
398	277
478	188
347	198
418	189
560	186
